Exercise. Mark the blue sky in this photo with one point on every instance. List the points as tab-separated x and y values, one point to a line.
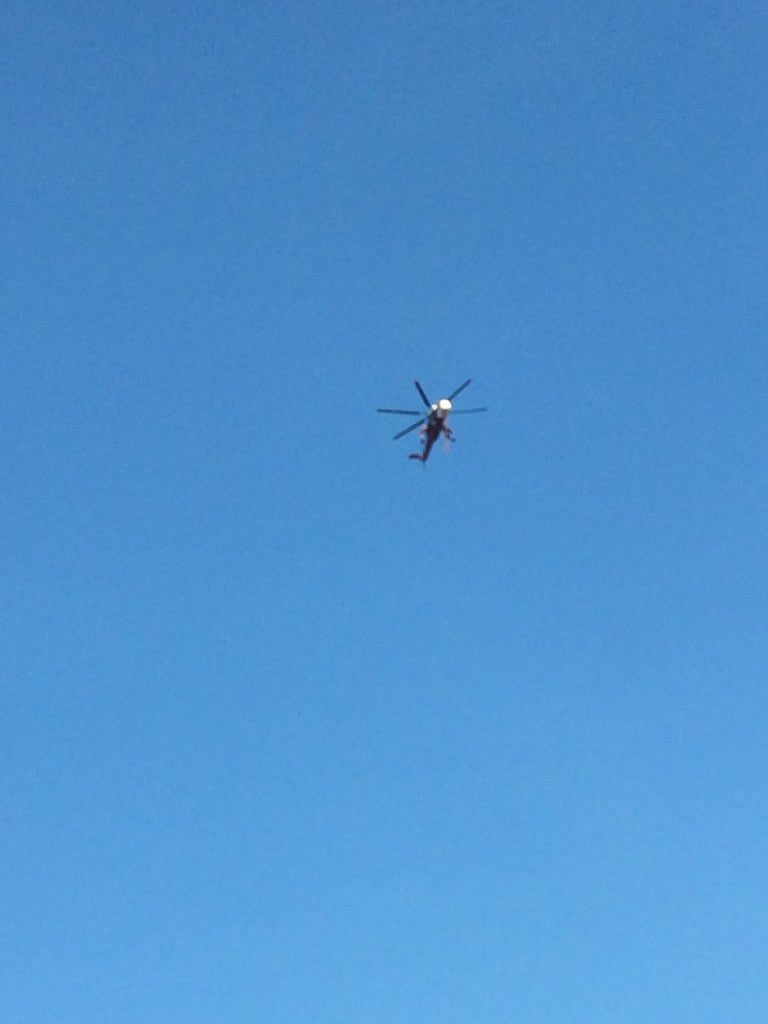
293	728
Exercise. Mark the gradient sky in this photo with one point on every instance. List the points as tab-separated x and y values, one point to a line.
291	728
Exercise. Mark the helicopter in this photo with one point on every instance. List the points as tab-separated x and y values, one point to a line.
435	422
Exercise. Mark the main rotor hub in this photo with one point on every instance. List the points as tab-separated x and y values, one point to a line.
442	408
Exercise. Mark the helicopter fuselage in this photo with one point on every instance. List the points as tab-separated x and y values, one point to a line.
437	424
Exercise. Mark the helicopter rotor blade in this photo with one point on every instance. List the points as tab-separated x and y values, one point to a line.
460	412
459	389
424	398
407	430
402	412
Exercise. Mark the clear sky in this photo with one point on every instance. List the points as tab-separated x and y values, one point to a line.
291	728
